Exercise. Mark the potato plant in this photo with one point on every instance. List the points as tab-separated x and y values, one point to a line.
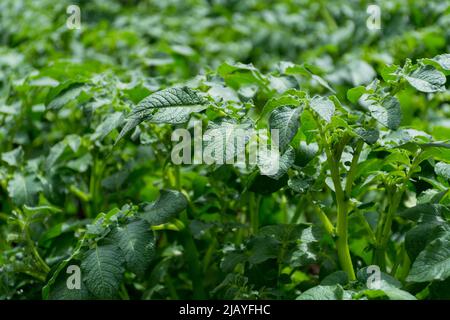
358	207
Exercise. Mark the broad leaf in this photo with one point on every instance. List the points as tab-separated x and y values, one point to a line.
172	105
427	79
324	107
388	113
137	243
102	270
24	189
286	121
166	207
433	263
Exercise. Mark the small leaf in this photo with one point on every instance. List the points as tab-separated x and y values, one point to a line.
324	107
369	136
14	158
354	94
388	113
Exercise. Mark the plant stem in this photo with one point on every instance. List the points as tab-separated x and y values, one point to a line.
327	224
341	203
352	171
384	231
254	212
192	260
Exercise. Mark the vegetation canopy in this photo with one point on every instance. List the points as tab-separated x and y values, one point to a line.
349	98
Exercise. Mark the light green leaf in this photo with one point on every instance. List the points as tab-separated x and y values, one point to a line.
324	107
427	79
308	126
13	157
354	94
442	169
443	60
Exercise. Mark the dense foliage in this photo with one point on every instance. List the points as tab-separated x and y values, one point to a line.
86	176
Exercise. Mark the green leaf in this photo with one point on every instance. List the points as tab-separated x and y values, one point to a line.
308	126
369	136
60	290
24	189
173	105
433	263
305	153
354	94
111	122
426	212
102	270
275	166
421	235
338	277
263	248
324	107
442	169
14	157
137	243
427	79
67	93
265	185
166	207
286	120
323	293
388	113
224	140
443	60
300	184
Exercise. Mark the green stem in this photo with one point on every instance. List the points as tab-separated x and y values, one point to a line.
254	212
193	260
385	228
41	263
352	171
341	203
123	292
327	224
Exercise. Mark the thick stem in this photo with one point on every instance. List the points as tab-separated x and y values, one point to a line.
341	203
